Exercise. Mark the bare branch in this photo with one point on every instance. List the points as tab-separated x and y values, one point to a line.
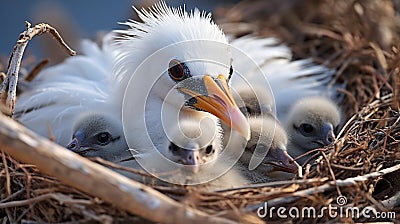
8	88
95	179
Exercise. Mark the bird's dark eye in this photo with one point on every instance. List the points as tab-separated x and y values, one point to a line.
172	147
103	138
209	150
230	72
177	70
249	110
306	128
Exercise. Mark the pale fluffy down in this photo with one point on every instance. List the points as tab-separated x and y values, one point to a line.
271	82
268	142
264	64
61	93
193	155
312	123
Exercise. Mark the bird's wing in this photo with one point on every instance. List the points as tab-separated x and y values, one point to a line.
62	92
290	80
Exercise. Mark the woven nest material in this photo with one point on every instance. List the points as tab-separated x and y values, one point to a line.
357	38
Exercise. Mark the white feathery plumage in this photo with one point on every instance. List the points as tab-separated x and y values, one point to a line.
289	80
166	36
161	26
61	93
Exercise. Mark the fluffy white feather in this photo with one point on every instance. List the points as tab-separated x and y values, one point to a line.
61	93
146	50
289	80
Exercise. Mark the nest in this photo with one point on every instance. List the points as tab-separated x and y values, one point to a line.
359	40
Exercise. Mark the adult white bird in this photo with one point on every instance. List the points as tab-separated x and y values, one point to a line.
173	62
311	124
59	96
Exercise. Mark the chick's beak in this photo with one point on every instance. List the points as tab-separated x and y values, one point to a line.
74	145
328	136
191	158
281	160
219	102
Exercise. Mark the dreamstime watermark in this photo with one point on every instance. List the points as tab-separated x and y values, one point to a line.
339	210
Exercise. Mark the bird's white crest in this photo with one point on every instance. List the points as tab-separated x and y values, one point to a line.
161	26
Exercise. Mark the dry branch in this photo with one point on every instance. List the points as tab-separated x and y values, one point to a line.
8	88
94	179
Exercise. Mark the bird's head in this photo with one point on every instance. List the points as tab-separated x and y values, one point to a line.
180	59
194	143
269	140
99	135
312	123
254	100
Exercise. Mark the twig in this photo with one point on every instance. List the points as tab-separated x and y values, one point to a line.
35	71
325	187
8	88
13	195
25	202
274	184
347	167
27	174
61	198
94	179
331	172
8	182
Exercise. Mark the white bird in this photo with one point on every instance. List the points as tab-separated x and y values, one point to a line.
311	124
98	134
173	62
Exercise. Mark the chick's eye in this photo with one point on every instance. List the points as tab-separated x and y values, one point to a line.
209	150
177	70
306	128
103	138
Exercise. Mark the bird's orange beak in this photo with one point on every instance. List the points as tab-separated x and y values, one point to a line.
219	102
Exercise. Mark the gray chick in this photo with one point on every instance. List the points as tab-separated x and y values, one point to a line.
311	124
99	135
